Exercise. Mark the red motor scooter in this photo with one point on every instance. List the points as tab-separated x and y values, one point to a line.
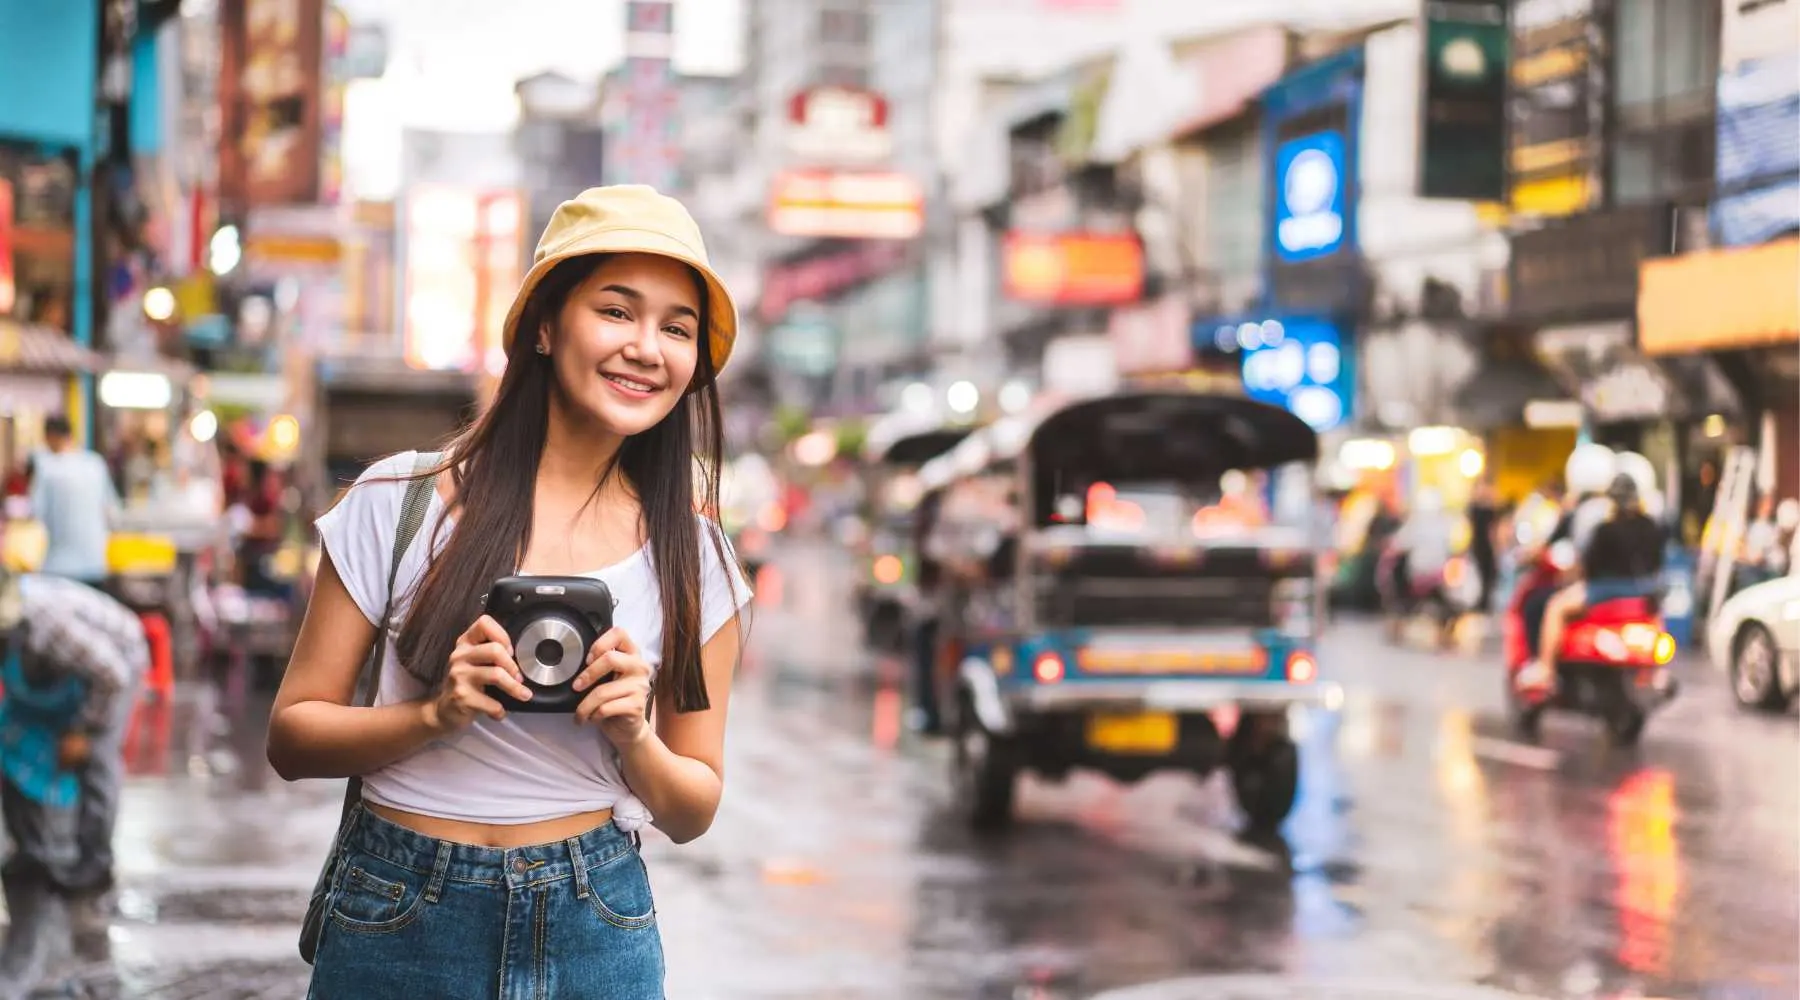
1612	663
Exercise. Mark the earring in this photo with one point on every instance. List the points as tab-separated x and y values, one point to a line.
543	349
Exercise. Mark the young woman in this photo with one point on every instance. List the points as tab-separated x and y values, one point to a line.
495	854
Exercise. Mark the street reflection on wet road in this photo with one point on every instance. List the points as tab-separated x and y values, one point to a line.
1429	854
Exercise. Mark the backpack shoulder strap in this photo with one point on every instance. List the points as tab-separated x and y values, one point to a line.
412	516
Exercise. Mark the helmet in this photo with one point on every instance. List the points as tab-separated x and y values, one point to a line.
1589	469
1624	491
1640	469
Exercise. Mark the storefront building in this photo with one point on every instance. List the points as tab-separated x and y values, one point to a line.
1575	288
1741	306
48	100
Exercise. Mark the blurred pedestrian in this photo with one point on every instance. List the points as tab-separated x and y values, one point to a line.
487	851
73	659
1484	522
72	496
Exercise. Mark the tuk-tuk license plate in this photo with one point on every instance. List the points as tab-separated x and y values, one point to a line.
1136	733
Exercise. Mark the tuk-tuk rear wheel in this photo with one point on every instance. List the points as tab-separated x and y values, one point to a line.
1265	775
984	775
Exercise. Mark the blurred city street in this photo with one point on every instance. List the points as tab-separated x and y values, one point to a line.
1429	856
1238	388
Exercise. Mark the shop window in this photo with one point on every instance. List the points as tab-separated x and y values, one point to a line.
844	26
1234	208
1671	163
1665	51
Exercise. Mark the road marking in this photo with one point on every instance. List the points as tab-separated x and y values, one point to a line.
1517	754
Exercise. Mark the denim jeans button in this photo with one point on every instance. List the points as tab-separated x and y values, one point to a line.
520	866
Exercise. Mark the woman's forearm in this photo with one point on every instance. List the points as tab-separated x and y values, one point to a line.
681	793
322	739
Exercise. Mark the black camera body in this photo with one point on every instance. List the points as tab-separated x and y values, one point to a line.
552	621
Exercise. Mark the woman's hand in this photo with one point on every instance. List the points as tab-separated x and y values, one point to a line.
620	704
482	659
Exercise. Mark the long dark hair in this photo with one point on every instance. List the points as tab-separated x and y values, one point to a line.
494	464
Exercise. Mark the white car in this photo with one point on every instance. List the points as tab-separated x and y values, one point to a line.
1756	638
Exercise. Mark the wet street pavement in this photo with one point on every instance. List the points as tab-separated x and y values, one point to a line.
1430	856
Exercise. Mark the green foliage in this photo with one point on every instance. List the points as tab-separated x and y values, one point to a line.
791	422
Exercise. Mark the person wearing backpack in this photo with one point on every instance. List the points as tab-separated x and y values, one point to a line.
486	853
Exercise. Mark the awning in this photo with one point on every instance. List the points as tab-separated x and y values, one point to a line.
1740	297
42	350
1497	394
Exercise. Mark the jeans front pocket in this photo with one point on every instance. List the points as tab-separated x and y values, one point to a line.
619	892
375	896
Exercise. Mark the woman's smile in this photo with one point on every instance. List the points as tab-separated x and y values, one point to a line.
632	387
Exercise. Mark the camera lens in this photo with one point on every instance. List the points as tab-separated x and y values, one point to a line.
549	652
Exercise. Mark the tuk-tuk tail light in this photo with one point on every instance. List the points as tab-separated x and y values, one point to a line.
1302	668
1048	667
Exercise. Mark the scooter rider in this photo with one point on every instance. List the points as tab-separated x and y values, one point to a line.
1623	558
1587	475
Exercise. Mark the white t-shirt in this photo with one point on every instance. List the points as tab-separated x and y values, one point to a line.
528	767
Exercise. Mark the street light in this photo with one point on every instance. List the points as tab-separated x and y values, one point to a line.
1015	396
204	426
963	397
159	304
224	251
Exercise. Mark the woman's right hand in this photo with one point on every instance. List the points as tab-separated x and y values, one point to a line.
482	659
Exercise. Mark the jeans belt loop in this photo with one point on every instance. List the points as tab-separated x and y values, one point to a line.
435	888
577	859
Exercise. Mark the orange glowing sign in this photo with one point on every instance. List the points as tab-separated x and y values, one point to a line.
6	250
1090	269
1247	660
846	205
1720	299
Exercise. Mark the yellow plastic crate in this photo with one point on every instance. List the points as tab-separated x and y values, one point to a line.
140	555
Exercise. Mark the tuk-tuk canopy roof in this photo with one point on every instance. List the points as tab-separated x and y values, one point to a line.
1136	435
907	439
1150	436
1164	434
991	448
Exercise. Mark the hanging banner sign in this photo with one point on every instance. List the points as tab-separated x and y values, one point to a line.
854	206
839	125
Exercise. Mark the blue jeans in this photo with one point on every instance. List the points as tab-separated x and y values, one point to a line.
413	917
1613	588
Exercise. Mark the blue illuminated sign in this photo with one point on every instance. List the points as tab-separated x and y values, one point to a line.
1298	364
1310	196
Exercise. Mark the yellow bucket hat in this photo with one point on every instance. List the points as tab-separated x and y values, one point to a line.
629	218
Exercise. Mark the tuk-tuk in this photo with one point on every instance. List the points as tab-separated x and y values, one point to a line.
1116	574
893	453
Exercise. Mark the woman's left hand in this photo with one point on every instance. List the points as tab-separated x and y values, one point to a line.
621	703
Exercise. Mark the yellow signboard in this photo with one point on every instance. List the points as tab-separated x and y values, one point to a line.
1720	299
